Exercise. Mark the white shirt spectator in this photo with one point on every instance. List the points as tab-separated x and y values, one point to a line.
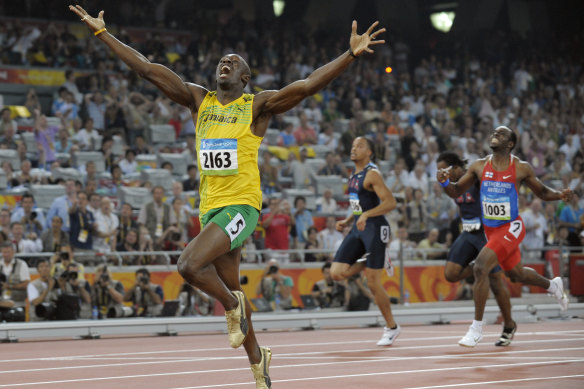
128	167
29	246
106	224
88	140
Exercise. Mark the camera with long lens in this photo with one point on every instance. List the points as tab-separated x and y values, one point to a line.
12	314
120	311
104	277
273	269
175	236
69	275
46	310
64	255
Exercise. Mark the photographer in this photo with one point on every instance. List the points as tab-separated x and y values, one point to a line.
106	293
4	302
195	302
328	292
145	296
17	275
29	243
72	283
42	290
61	261
276	288
31	218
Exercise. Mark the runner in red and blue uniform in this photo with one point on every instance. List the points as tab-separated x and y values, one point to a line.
466	247
500	175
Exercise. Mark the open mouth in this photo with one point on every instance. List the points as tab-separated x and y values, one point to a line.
224	71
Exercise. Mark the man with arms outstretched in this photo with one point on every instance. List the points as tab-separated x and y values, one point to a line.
230	125
500	175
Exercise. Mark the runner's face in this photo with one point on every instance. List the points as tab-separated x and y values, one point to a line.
229	70
360	150
499	138
455	172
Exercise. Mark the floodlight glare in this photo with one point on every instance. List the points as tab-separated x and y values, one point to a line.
278	7
442	21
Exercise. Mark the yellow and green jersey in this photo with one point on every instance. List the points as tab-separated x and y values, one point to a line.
227	154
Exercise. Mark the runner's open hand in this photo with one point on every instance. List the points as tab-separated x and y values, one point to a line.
361	43
94	24
566	195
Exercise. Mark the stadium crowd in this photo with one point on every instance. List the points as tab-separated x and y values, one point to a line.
413	112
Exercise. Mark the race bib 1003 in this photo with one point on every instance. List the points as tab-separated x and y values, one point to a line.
496	208
218	157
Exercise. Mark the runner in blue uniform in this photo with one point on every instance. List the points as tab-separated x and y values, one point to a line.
469	243
370	200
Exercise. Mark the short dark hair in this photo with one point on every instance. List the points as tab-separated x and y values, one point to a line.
143	270
39	261
326	266
298	198
7	244
190	167
371	146
26	196
451	159
513	138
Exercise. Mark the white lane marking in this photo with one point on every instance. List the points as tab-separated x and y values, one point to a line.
502	381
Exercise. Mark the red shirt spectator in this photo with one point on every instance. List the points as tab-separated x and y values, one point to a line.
304	133
277	226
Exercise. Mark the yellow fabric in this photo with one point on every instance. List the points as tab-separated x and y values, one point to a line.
231	121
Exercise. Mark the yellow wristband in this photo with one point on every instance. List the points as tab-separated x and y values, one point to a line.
99	31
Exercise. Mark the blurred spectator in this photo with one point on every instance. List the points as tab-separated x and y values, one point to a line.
302	218
326	204
441	209
194	302
312	243
7	121
94	205
330	239
130	244
25	242
24	177
430	248
96	107
7	141
115	182
61	205
417	216
332	167
401	244
313	113
129	164
360	296
418	179
54	238
72	86
287	138
17	275
269	174
82	222
300	171
305	133
397	179
126	224
192	182
31	217
45	138
75	285
570	218
157	217
328	292
535	229
31	101
275	287
277	223
107	144
107	224
327	136
62	259
88	138
106	293
5	222
146	297
42	290
141	147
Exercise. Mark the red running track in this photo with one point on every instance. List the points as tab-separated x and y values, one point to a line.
543	355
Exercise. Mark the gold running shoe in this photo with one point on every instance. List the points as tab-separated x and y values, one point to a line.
261	371
237	327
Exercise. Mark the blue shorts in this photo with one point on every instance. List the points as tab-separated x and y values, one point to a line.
466	248
371	242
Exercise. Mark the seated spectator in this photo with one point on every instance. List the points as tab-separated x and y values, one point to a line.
146	297
326	204
88	138
45	139
61	205
107	228
287	138
416	216
107	144
328	292
24	177
312	243
570	218
269	174
42	290
360	296
7	121
168	166
116	180
191	183
89	171
401	244
7	141
184	221
28	242
129	164
327	136
63	143
106	293
96	107
157	217
332	167
16	273
31	217
54	238
82	222
300	171
194	302
430	248
141	147
130	244
275	287
11	180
